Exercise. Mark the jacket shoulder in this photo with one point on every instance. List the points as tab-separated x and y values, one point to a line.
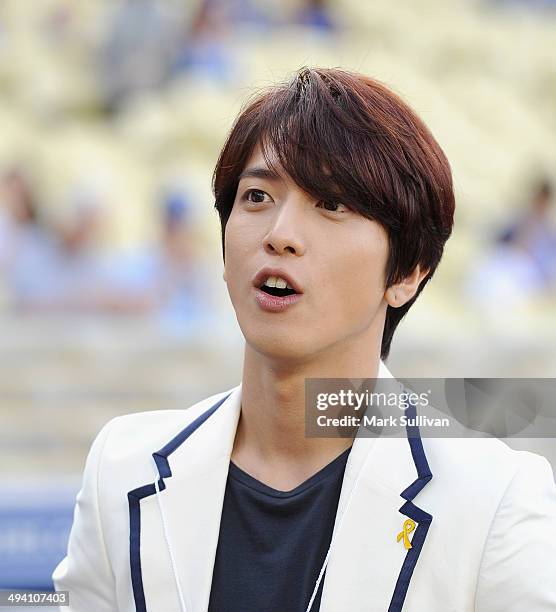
477	472
485	459
143	433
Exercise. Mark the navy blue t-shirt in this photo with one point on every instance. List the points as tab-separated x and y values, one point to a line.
272	543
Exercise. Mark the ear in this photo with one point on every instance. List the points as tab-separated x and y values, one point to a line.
224	275
399	294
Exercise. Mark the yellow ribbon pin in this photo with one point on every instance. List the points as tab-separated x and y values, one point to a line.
408	527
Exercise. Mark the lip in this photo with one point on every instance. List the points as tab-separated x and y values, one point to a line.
273	303
264	273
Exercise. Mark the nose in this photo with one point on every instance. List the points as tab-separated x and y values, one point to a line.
284	235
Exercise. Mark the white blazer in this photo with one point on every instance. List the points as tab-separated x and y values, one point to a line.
485	536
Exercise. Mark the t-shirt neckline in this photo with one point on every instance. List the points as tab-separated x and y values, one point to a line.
246	479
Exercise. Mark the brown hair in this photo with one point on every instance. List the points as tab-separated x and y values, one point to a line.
344	137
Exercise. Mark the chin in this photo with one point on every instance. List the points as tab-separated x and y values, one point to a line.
279	346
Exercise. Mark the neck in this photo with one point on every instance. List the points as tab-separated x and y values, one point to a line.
270	437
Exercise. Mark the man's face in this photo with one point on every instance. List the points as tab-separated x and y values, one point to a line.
336	257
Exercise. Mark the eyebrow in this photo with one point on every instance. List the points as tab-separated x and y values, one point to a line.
260	172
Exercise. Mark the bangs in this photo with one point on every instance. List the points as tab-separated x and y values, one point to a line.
341	137
309	130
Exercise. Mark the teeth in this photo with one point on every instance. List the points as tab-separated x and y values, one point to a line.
276	281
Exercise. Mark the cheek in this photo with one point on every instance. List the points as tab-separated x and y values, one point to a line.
232	244
238	247
241	231
358	281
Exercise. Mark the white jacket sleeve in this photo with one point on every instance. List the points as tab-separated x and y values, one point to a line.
85	571
518	568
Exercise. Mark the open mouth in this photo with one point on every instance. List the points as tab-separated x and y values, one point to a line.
275	291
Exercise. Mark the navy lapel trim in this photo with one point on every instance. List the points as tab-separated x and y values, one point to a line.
134	500
422	518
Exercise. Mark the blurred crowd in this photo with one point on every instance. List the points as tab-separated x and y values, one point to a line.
520	263
149	42
61	267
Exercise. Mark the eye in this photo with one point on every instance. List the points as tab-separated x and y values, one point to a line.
335	207
256	196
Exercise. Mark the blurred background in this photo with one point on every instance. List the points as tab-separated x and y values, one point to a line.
112	114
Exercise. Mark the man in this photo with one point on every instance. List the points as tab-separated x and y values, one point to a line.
335	203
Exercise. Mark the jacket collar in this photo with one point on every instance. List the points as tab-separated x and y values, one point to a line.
176	533
367	561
